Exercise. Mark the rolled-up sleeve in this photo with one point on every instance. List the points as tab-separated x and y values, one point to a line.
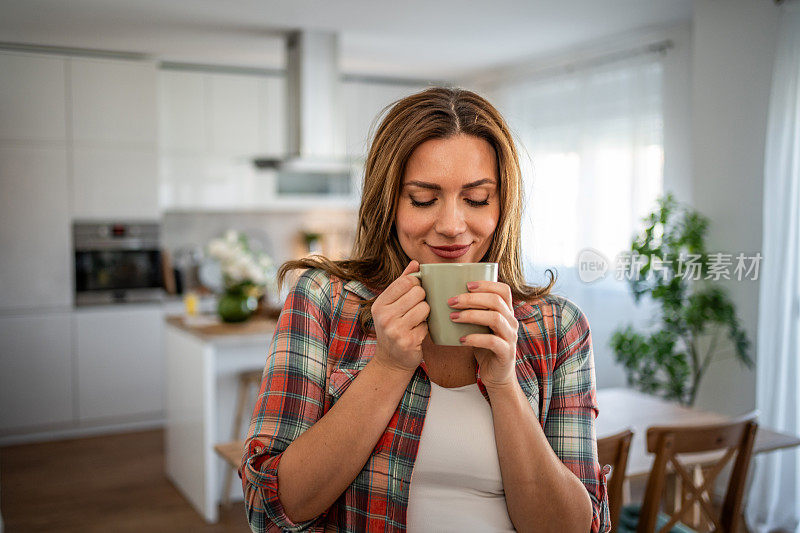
290	399
570	423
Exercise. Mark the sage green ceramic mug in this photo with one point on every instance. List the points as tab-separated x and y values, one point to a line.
442	281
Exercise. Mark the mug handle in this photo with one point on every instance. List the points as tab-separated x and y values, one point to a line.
417	275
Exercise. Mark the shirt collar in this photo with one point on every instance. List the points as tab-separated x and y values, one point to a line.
358	288
522	310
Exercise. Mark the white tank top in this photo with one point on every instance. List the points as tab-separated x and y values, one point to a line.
456	483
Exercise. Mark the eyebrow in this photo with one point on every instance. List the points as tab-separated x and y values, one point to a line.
436	187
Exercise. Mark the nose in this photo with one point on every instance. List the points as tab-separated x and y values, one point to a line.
451	221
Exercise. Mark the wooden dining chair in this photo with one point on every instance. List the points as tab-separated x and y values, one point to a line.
613	450
232	452
667	443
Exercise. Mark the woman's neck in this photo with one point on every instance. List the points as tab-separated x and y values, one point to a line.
449	366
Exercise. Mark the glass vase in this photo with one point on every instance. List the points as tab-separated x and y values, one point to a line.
236	306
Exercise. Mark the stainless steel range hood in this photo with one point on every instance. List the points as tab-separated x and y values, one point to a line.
314	115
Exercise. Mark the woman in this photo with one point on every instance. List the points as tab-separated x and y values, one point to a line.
362	423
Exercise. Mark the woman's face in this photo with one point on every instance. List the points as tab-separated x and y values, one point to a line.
450	198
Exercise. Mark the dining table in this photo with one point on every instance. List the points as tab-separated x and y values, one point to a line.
623	408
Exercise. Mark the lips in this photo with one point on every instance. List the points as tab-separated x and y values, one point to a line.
451	251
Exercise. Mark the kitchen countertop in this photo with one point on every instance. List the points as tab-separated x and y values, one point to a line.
211	328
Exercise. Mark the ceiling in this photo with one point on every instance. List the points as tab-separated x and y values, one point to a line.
414	38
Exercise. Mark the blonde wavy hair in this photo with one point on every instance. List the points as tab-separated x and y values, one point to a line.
377	258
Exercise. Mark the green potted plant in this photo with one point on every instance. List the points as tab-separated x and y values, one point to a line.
670	361
246	274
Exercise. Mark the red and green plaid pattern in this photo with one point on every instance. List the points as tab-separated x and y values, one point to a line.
318	349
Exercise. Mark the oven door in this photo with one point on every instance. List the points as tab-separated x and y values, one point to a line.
117	276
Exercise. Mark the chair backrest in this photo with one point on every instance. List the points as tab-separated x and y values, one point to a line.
248	380
614	450
667	442
251	378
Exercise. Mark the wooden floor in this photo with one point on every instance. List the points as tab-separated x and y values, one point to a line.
112	483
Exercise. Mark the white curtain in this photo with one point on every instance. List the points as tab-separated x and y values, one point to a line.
595	143
774	496
592	158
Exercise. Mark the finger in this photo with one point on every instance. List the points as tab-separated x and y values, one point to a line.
493	343
412	266
401	285
412	297
497	322
417	314
496	287
483	300
419	332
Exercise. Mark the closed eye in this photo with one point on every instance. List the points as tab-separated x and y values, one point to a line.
477	203
422	204
474	203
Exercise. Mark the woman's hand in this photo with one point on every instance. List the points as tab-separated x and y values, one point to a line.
400	314
489	303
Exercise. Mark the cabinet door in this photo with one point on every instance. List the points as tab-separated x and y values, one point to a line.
35	261
233	107
35	371
120	361
110	182
182	112
113	102
272	116
32	99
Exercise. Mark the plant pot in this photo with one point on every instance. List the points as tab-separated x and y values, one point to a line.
236	306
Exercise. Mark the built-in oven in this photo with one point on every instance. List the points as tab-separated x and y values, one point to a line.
117	262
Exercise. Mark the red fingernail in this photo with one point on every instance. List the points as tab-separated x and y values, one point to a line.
455	314
453	300
461	340
472	285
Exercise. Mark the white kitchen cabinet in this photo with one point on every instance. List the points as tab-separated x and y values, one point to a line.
120	363
113	182
212	127
114	140
113	102
35	263
233	114
214	124
212	182
182	112
272	116
32	99
36	386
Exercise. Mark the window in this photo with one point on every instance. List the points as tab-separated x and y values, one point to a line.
591	152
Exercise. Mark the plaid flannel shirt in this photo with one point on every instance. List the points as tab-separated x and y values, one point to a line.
318	349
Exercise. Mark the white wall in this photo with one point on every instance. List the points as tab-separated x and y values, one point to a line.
733	51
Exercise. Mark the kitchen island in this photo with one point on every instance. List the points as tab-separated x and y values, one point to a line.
203	360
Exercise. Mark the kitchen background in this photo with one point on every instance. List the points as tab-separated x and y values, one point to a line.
126	114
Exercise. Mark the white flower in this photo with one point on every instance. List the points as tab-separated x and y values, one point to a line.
240	263
232	236
218	249
257	274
